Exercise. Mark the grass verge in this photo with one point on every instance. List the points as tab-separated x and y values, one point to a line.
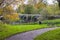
55	21
51	35
8	30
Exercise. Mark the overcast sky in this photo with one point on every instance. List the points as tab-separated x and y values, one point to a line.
51	1
48	1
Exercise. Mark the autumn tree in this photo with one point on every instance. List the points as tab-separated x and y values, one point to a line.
7	11
10	14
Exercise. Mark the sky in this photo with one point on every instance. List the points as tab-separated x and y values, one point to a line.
48	1
26	1
51	1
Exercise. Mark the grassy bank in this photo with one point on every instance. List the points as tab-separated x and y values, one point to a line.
51	35
55	21
8	30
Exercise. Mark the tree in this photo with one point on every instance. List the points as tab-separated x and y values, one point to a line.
1	10
53	9
4	3
58	2
7	11
21	9
9	14
29	9
40	5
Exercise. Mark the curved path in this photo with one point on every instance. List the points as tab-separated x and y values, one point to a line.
29	35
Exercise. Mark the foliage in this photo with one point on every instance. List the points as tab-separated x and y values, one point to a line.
9	14
53	9
8	9
11	17
4	3
21	9
29	9
1	11
44	14
40	5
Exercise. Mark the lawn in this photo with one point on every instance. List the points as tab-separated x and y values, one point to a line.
8	30
50	35
55	21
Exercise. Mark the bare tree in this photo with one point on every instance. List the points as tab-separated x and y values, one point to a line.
4	3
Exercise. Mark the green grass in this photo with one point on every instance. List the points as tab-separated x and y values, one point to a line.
55	21
8	30
52	23
51	35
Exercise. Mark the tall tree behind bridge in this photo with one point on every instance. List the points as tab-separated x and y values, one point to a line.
7	10
58	2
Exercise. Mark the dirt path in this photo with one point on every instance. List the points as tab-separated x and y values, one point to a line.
29	35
